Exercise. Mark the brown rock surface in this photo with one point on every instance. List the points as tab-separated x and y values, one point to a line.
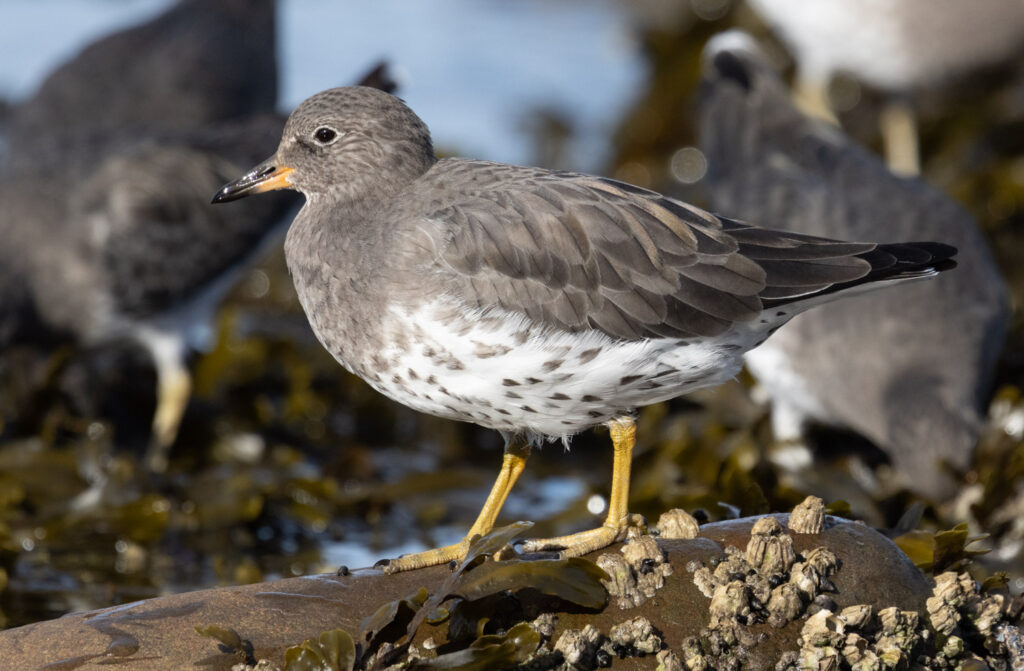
160	633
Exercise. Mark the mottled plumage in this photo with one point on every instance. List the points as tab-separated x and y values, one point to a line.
537	303
916	364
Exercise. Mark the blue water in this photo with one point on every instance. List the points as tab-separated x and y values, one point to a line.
473	69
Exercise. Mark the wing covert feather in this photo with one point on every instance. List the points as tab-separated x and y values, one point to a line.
576	252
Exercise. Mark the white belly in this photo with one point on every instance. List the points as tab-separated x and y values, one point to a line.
500	371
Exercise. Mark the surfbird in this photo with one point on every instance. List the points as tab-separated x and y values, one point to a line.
900	48
533	302
917	364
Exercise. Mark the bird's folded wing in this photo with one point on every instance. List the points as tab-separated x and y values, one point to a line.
577	252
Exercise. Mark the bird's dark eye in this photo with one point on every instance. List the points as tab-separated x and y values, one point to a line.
325	135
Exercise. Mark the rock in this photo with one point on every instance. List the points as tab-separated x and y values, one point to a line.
861	566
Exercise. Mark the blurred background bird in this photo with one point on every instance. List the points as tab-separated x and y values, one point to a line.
198	62
903	48
912	373
106	190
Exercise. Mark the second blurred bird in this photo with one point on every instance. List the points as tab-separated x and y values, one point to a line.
110	235
910	372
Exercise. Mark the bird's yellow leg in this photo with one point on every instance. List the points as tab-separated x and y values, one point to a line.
811	96
516	453
174	387
899	135
616	525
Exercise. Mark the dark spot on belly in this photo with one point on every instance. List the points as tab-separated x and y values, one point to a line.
520	337
412	374
533	380
512	394
483	351
731	348
559	397
595	413
431	380
509	383
780	313
588	355
554	364
651	384
504	411
629	379
444	390
528	409
590	398
396	379
455	364
667	371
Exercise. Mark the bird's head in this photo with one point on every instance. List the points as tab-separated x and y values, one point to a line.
352	142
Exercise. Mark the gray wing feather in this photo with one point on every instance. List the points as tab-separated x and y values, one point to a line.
577	252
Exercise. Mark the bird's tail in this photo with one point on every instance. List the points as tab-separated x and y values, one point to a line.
889	264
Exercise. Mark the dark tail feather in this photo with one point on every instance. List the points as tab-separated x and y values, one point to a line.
889	263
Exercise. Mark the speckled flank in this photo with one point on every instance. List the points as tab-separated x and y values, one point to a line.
574	380
527	300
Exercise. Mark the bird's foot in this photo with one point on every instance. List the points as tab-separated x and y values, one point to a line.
584	542
450	553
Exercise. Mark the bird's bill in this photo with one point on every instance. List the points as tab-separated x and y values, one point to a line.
265	177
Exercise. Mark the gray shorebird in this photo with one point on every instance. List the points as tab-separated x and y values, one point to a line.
909	370
533	302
